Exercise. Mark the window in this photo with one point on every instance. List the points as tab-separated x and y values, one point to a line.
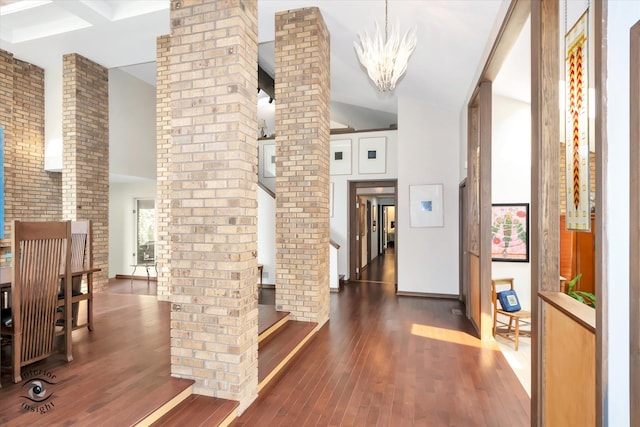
145	220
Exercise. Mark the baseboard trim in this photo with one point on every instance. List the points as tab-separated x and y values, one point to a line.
130	277
426	295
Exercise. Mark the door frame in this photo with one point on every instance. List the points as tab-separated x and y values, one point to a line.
634	220
353	220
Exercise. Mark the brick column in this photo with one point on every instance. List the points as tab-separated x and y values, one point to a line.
6	118
85	156
302	154
163	177
214	312
31	193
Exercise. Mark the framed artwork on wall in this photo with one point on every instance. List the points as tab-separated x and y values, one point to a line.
372	156
425	205
269	160
340	160
510	232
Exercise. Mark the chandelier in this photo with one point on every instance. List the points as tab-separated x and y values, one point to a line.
385	56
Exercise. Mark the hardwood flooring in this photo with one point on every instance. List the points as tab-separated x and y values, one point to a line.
119	375
384	360
381	269
381	360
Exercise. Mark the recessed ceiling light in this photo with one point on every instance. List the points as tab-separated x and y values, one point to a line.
19	6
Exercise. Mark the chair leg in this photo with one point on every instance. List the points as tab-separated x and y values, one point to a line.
517	332
495	321
16	345
90	314
90	301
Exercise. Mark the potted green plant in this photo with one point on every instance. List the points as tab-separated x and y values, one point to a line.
582	296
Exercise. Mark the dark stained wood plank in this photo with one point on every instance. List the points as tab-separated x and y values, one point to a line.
381	269
277	347
381	360
124	360
391	361
268	316
198	410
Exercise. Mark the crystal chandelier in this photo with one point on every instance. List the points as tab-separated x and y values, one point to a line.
385	56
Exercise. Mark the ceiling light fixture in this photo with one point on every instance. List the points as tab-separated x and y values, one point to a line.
385	56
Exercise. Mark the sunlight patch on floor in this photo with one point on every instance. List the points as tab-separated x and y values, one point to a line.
520	361
447	335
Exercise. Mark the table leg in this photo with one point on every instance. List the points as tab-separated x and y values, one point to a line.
132	274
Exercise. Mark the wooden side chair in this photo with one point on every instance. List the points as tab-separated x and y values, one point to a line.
39	249
511	329
81	267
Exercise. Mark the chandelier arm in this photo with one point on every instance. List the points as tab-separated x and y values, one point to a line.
385	55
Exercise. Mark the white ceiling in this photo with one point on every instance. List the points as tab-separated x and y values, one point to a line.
453	36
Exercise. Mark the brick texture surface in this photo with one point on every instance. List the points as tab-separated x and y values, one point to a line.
302	162
85	175
163	177
31	193
213	162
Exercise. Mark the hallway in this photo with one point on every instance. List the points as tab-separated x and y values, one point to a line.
393	361
381	269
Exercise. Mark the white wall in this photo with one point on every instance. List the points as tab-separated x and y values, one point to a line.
53	118
132	156
122	225
132	126
511	177
428	150
340	218
622	15
267	236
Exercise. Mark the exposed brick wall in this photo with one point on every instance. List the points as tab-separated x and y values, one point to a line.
302	92
85	176
31	193
214	314
163	177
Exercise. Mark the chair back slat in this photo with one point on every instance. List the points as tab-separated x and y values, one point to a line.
39	280
39	251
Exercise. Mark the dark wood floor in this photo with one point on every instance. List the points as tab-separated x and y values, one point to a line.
382	360
381	269
119	375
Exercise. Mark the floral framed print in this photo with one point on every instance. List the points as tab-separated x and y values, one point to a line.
510	232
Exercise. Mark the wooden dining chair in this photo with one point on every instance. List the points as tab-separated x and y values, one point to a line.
39	248
511	329
81	268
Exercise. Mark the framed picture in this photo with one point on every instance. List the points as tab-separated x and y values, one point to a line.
372	155
340	161
510	232
425	205
269	161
